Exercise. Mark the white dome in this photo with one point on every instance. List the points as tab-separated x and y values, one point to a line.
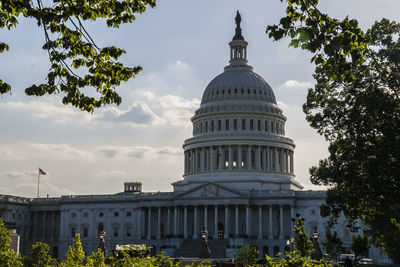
239	82
239	133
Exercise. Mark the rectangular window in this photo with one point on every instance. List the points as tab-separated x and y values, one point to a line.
115	231
85	232
116	214
128	214
73	232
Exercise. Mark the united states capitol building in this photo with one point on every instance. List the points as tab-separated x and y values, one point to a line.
238	182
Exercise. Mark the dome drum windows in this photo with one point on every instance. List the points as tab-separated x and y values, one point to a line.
240	157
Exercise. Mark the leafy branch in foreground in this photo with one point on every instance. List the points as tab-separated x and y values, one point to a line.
77	62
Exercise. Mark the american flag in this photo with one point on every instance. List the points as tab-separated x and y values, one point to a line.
42	172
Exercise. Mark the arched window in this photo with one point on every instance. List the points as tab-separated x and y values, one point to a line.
272	127
212	126
251	125
100	227
219	125
235	124
243	124
206	126
227	125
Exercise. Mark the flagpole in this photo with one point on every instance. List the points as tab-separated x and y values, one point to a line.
38	179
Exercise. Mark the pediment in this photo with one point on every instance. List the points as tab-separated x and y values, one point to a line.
210	190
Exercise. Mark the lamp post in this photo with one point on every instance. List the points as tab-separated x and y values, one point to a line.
317	254
102	242
205	252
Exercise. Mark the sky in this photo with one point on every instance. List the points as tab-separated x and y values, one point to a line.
181	45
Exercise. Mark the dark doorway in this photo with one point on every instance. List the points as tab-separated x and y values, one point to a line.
276	251
220	231
55	252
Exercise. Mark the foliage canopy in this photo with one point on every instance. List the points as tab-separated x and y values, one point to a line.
76	61
355	105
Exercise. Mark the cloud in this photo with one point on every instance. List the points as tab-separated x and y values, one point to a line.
24	174
138	114
139	151
295	83
47	108
63	151
177	110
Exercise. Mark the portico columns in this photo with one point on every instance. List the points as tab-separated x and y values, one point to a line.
139	228
205	217
216	222
260	234
237	220
175	221
281	222
219	158
149	224
185	235
271	235
159	223
248	221
168	221
230	158
249	158
195	227
240	156
226	228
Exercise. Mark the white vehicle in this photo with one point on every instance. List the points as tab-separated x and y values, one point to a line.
365	261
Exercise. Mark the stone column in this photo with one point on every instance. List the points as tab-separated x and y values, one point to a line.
237	220
291	162
260	234
52	229
240	156
185	235
220	158
202	162
230	158
268	158
205	217
248	221
159	223
149	224
271	233
139	228
195	227
175	221
258	157
226	228
282	169
281	222
249	157
168	224
276	159
215	222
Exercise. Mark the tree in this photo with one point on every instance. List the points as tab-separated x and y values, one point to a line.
333	245
247	255
360	245
355	105
8	257
96	259
303	245
75	254
39	256
76	61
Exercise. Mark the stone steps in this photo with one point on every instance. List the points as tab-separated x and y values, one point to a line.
191	248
